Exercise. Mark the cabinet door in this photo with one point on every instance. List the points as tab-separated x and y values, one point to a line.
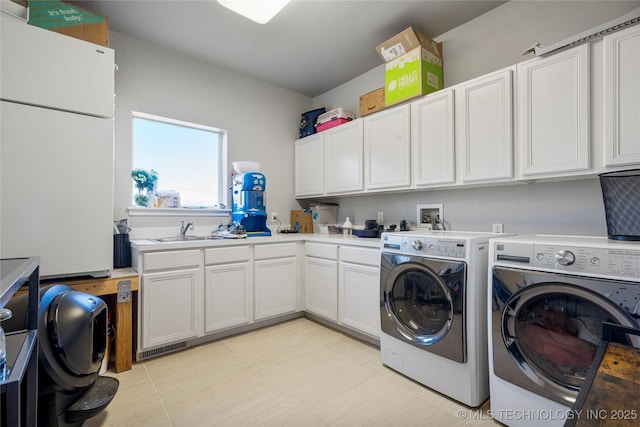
321	287
309	166
432	140
485	138
55	70
169	307
275	287
553	113
343	171
622	97
227	295
387	149
360	297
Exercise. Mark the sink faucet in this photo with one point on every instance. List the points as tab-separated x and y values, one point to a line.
185	228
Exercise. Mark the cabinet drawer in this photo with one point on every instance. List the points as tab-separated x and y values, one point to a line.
278	250
226	255
171	260
320	250
360	255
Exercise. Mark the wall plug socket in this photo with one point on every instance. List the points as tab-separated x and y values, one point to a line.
274	216
498	228
380	217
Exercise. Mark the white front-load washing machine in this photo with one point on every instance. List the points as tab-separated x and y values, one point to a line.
433	289
549	297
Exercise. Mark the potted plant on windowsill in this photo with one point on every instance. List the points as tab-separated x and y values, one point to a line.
146	183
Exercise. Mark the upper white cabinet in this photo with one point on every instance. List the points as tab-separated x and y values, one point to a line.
343	170
432	139
622	97
330	162
387	149
484	134
309	166
553	114
55	70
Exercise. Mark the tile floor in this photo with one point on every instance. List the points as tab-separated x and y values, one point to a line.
297	373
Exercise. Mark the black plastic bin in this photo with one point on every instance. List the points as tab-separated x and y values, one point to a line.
121	251
621	195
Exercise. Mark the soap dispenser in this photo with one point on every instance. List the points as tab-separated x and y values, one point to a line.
347	227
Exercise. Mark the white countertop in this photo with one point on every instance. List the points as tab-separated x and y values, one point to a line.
143	245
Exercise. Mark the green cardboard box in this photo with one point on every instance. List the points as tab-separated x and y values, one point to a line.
414	74
71	20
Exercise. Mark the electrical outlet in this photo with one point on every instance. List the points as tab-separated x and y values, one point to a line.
380	217
274	216
498	228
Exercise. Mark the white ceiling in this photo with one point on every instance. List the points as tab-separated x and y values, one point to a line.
310	47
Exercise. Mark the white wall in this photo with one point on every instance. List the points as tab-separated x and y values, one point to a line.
262	121
491	42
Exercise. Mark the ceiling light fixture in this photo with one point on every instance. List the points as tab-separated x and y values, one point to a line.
260	11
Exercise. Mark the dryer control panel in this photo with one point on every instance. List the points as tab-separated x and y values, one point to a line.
589	260
613	262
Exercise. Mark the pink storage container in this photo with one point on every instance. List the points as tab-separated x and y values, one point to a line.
333	118
331	124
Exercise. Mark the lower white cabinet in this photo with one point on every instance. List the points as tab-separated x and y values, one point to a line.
191	293
228	297
321	280
171	304
359	289
274	278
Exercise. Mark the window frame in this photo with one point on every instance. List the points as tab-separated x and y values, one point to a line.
222	167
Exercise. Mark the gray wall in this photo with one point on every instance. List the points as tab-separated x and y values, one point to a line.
488	43
262	121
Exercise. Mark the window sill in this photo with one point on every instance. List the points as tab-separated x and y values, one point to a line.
212	212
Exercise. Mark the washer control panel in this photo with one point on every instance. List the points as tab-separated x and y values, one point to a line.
616	262
431	246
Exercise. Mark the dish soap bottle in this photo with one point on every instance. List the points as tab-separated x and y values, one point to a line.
347	227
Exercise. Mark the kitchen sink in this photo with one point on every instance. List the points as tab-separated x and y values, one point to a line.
182	239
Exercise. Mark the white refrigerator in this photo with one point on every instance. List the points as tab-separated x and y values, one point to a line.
56	150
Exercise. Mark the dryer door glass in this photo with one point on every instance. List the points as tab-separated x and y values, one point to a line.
422	301
552	330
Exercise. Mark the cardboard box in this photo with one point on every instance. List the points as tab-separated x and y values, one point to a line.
401	44
70	20
372	102
304	220
417	73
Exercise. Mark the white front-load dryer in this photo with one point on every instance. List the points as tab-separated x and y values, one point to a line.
433	288
549	297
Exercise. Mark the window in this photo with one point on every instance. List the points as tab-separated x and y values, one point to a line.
188	158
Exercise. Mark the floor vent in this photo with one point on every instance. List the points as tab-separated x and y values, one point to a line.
162	350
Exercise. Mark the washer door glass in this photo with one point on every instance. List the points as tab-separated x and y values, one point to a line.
552	331
421	302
